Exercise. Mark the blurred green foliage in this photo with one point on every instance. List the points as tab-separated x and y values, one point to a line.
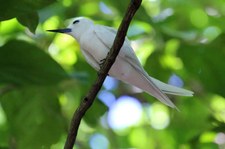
43	76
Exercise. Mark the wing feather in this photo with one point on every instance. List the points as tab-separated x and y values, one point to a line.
107	35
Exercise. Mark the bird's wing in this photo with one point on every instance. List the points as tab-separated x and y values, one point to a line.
107	36
90	59
131	58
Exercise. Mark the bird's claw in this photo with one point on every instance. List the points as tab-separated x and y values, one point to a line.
102	62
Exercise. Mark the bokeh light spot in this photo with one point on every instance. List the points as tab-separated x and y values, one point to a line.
220	138
138	138
106	97
104	8
125	112
63	49
199	18
171	46
51	23
159	116
176	81
211	32
207	137
110	83
98	141
218	106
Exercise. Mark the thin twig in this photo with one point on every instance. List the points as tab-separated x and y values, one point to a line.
110	59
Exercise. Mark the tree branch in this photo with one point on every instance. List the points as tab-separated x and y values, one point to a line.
110	59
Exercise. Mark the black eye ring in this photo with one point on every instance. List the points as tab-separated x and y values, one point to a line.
76	21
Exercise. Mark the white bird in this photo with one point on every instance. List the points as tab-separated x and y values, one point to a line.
95	42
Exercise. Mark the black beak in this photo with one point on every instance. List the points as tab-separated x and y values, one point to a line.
65	30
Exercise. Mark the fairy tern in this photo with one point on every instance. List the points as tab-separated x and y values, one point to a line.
95	42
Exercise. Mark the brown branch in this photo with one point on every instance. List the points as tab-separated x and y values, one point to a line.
110	59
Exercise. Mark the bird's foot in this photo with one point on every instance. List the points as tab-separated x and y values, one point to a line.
102	62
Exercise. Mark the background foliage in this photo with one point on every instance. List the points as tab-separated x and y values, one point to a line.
43	76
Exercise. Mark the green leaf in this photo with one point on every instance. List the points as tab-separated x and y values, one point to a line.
34	117
22	63
30	20
24	10
206	63
185	125
13	8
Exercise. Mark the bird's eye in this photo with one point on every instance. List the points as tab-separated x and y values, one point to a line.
76	21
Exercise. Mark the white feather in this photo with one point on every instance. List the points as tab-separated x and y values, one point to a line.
96	41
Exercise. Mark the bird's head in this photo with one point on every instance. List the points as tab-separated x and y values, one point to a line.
76	28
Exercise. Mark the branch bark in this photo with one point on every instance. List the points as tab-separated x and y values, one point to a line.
110	59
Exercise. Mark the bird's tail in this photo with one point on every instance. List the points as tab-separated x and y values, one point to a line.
137	76
144	82
163	89
169	89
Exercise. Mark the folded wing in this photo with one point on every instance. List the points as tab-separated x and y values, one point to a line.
152	86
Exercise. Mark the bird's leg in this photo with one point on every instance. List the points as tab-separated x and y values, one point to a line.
101	65
102	61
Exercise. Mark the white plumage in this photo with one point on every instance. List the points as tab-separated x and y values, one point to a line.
95	42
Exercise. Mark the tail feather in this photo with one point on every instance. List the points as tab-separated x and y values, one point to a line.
135	77
169	89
